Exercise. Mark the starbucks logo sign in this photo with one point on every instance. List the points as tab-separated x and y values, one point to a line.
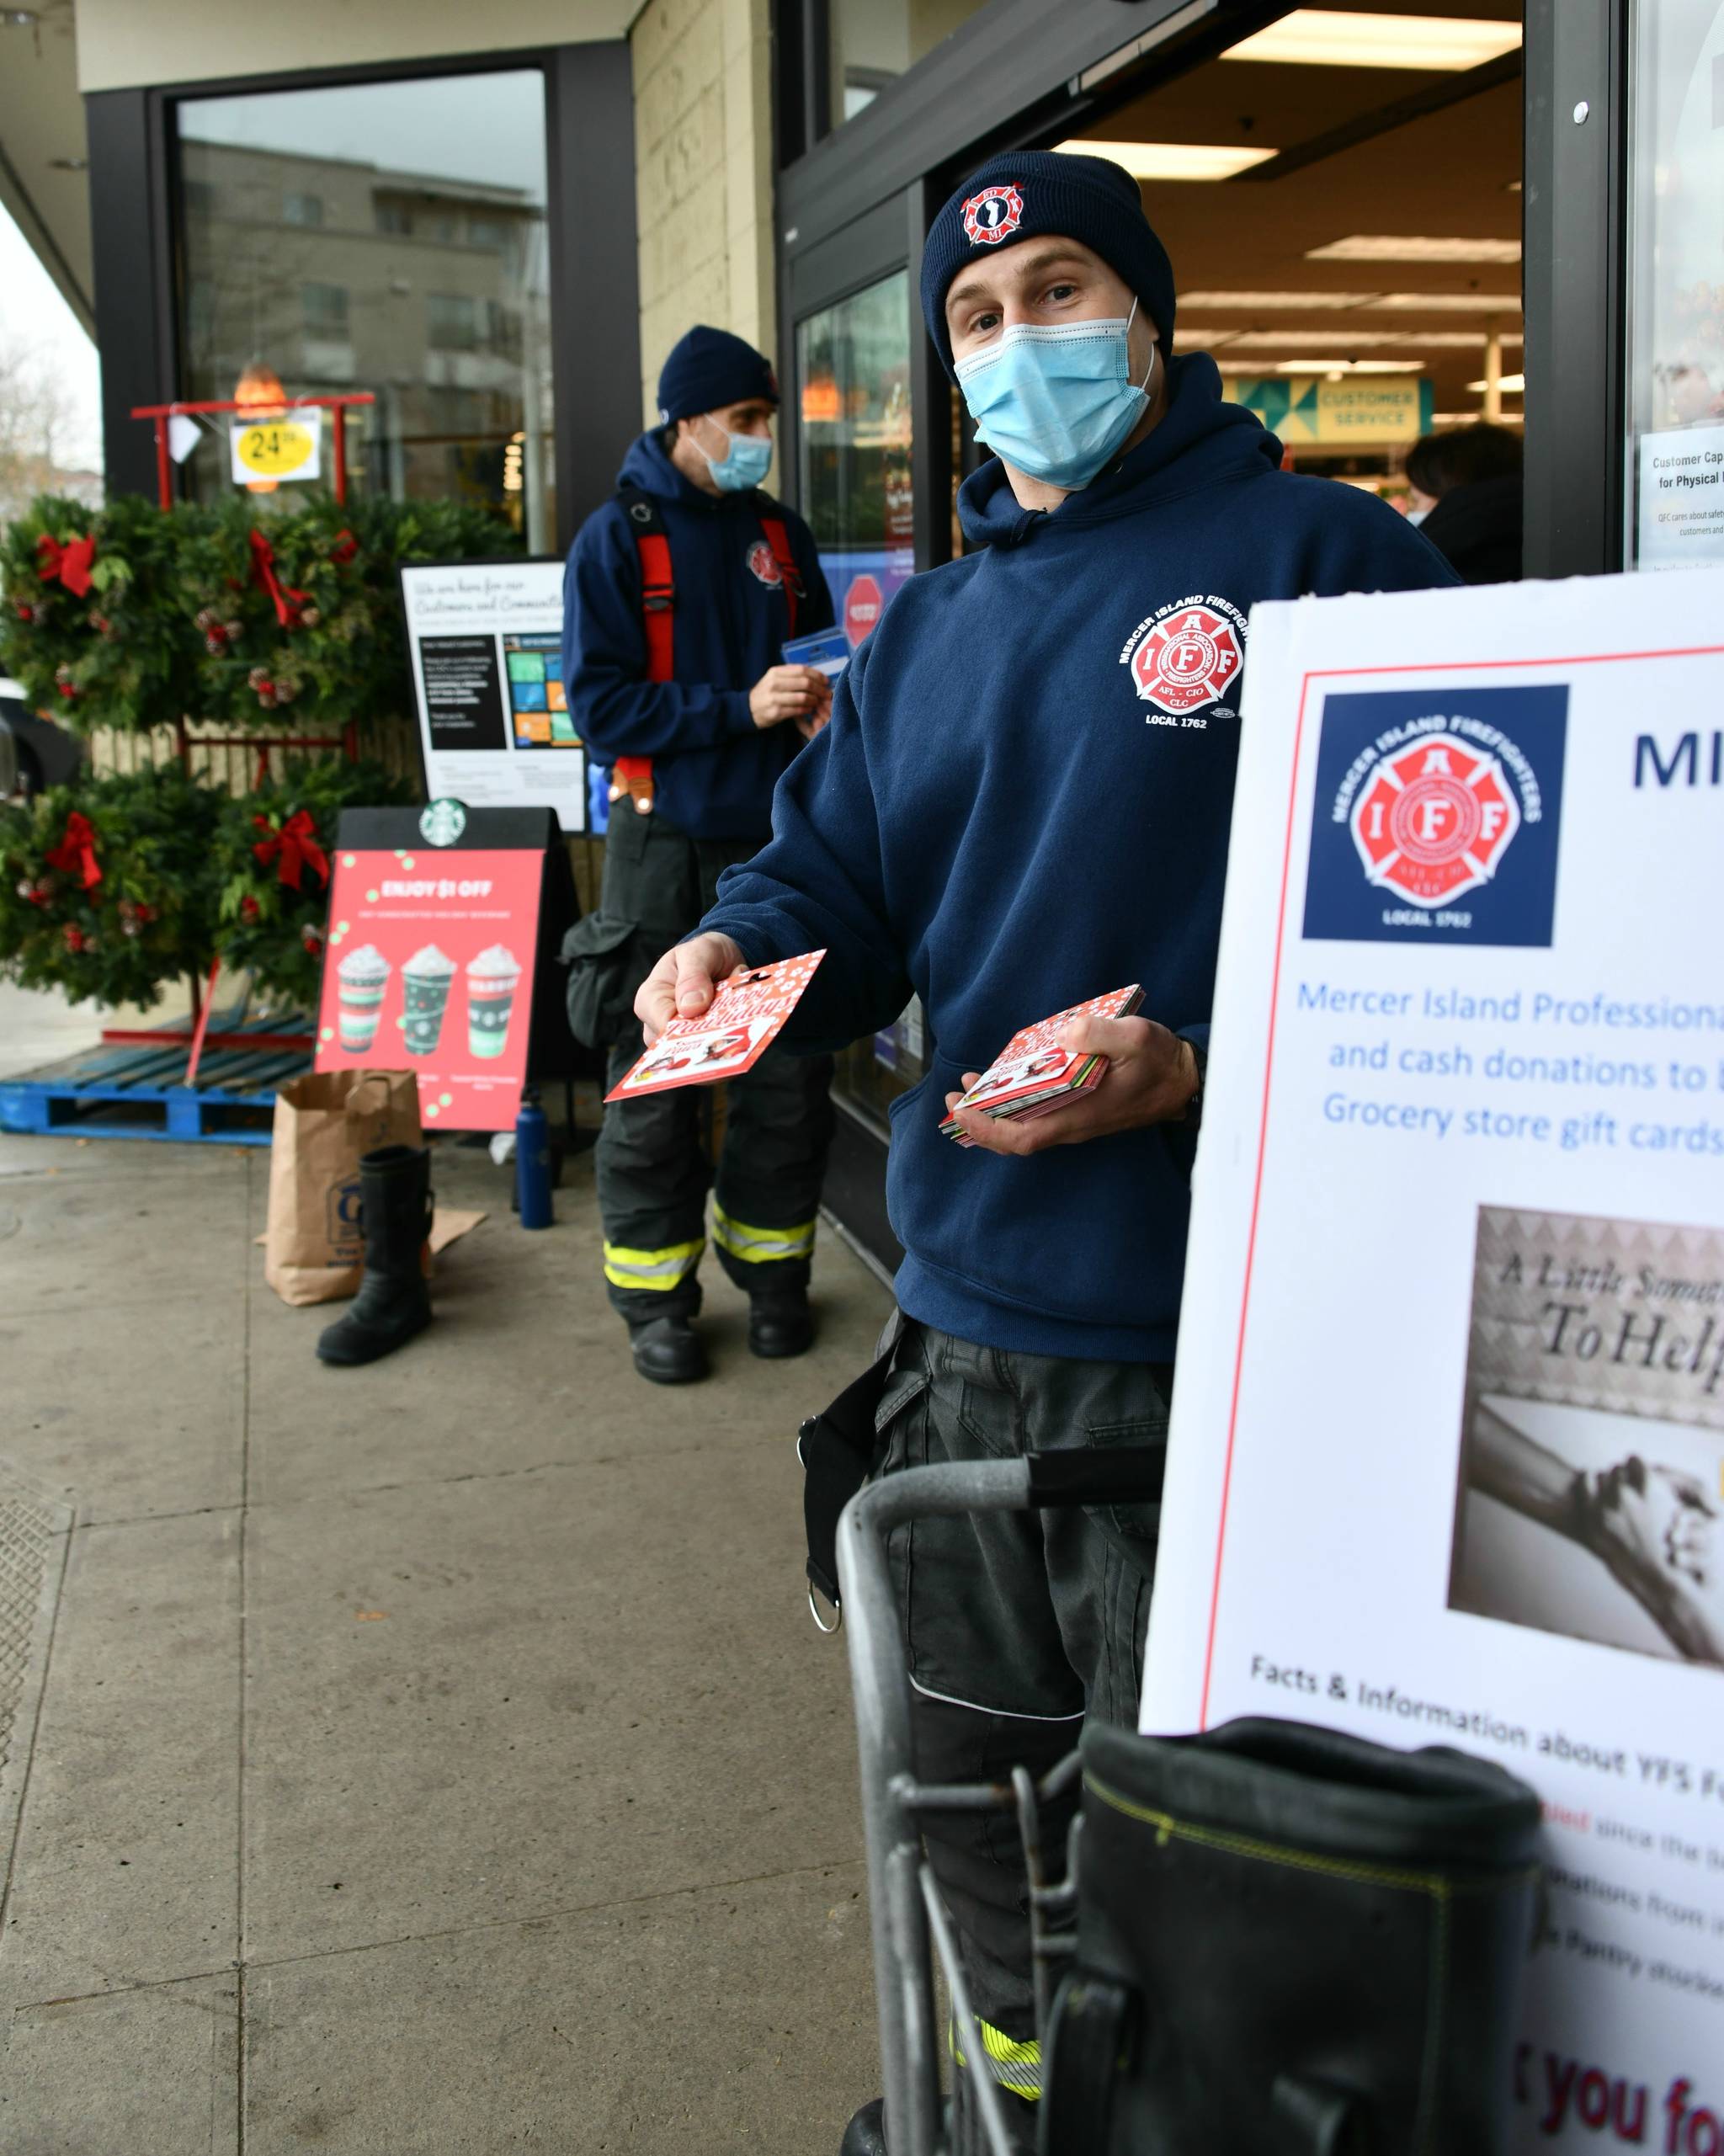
443	822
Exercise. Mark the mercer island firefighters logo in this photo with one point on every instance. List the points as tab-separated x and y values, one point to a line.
992	216
765	563
1436	815
1187	656
1435	821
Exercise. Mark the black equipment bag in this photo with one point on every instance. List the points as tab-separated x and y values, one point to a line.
838	1448
1291	1942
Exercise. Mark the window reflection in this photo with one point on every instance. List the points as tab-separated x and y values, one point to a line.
853	448
390	237
875	42
1676	372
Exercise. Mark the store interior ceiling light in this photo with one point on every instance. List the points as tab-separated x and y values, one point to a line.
1324	37
1510	385
1171	160
1508	303
1350	367
1373	247
1214	337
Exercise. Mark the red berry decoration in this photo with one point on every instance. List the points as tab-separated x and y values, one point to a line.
313	942
248	908
76	939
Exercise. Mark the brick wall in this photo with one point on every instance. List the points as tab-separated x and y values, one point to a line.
703	165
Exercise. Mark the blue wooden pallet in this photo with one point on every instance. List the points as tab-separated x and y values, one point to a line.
116	1091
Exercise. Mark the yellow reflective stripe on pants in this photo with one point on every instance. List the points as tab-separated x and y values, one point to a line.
651	1268
761	1246
1014	2066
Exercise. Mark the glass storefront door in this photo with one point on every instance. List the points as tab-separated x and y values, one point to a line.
853	457
1674	484
388	237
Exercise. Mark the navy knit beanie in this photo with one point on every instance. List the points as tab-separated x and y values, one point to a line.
1027	194
709	368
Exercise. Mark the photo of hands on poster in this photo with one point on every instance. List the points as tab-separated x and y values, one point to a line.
1591	1495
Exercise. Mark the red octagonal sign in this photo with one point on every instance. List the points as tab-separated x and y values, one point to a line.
1434	820
862	607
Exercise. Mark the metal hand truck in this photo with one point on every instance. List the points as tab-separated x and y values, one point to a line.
904	1902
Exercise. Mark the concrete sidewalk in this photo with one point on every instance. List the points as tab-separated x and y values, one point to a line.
432	1757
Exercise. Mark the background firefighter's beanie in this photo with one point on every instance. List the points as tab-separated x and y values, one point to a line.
1029	193
709	368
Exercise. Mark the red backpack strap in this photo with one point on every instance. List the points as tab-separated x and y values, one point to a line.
779	540
633	775
658	591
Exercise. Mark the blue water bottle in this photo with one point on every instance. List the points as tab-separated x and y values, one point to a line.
533	1162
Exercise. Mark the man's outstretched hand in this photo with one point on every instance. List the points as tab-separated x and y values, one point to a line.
1151	1078
684	982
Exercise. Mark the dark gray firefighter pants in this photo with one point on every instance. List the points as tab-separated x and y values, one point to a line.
651	1169
1016	1625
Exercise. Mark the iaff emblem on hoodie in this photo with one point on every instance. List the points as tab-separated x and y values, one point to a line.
763	562
992	216
1186	655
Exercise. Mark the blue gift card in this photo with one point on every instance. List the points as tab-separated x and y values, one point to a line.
827	652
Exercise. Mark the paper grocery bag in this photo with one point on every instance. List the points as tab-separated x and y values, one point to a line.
312	1249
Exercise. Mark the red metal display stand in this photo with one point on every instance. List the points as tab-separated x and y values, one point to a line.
162	414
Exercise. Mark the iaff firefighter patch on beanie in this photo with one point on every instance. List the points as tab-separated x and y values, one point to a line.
994	216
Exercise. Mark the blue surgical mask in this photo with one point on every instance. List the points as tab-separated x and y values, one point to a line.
744	465
1056	400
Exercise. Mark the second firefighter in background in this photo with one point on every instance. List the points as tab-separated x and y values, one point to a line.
680	593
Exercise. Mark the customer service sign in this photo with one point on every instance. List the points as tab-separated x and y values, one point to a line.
1447	1451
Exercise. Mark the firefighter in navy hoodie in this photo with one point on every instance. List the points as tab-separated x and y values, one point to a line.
1023	801
680	595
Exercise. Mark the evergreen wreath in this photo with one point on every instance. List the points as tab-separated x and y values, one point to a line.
298	614
272	858
105	886
91	623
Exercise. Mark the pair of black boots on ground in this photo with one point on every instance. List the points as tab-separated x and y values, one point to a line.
669	1351
1290	1942
394	1301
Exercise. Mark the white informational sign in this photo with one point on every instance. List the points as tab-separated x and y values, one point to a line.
1680	513
1447	1462
494	726
290	447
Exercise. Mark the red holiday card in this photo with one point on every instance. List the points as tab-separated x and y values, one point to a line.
1034	1072
745	1018
429	969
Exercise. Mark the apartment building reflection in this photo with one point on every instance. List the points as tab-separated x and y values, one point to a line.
342	274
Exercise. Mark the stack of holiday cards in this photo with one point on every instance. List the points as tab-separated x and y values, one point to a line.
729	1036
1032	1073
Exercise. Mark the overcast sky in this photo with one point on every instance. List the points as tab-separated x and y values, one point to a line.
33	314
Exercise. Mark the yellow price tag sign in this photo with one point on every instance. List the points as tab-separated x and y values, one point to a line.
276	449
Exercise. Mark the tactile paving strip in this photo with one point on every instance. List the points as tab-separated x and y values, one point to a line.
32	1522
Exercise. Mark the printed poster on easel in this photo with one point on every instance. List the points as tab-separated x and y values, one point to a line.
435	955
1447	1458
485	639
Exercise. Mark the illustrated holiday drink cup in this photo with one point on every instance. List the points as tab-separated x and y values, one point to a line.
361	979
426	980
492	980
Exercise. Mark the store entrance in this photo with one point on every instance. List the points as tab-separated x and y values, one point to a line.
1340	193
1341	196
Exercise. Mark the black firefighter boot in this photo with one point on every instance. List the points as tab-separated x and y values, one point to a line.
393	1302
1291	1942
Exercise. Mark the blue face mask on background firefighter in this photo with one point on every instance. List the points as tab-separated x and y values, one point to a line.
1056	400
745	464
